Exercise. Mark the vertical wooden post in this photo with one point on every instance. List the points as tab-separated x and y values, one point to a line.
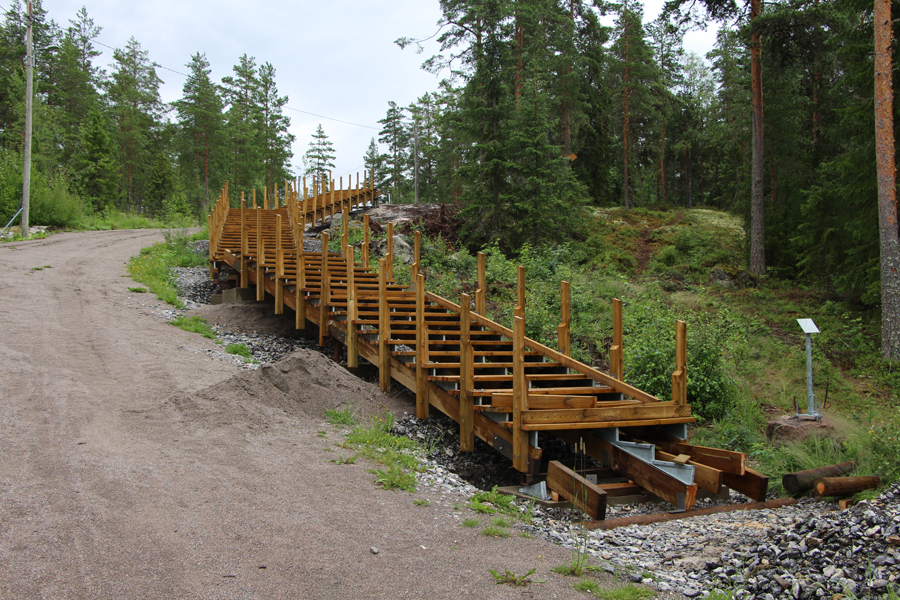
331	206
616	358
481	292
679	377
254	199
279	268
466	384
414	272
520	289
422	400
384	329
346	230
365	246
211	228
260	259
352	336
265	198
245	264
275	202
299	294
520	397
315	204
564	330
323	292
356	192
390	250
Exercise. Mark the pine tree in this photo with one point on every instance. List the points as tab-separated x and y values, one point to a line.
319	159
94	169
276	140
396	136
243	126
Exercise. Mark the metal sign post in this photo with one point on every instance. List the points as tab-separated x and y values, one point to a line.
812	411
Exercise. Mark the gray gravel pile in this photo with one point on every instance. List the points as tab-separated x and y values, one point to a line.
266	348
195	288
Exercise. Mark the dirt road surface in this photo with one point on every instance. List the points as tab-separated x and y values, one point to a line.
109	488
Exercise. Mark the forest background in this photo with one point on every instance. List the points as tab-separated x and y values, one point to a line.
549	114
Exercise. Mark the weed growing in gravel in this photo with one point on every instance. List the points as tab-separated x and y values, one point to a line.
395	478
239	349
194	325
153	266
421	502
138	290
493	530
343	416
628	592
470	522
345	461
511	578
588	585
493	502
41	268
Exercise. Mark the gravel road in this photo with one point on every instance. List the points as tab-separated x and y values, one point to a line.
109	488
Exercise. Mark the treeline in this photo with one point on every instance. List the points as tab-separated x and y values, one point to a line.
106	141
544	108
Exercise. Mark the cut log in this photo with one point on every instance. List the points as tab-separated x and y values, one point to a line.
586	496
844	486
801	481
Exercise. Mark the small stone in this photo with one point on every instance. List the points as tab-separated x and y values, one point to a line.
373	550
691	592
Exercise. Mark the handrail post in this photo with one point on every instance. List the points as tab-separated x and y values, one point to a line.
679	377
352	337
299	297
520	397
210	226
254	198
565	326
520	291
466	384
616	357
323	291
481	292
384	329
414	271
331	204
279	268
422	395
390	250
265	198
244	247
260	259
365	246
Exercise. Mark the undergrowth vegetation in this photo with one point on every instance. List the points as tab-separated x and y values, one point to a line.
153	266
746	353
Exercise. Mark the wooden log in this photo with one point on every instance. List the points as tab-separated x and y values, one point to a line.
585	495
466	383
520	397
801	481
844	486
384	329
679	377
422	403
672	516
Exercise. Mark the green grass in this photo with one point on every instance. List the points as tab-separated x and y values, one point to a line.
342	416
113	219
239	349
138	290
153	266
421	502
469	522
510	578
194	325
494	530
628	592
345	461
588	585
395	477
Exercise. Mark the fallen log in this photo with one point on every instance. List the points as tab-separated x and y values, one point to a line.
672	516
801	481
844	486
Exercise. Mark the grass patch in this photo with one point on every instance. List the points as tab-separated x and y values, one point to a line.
470	522
493	502
195	325
510	578
138	290
493	530
239	349
421	502
113	219
628	592
345	461
588	585
153	266
395	478
342	416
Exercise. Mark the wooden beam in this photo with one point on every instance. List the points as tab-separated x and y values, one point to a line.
723	460
662	410
546	401
279	266
384	329
752	484
672	516
481	292
679	377
616	356
422	403
520	292
466	383
352	333
565	324
520	397
705	477
323	292
585	495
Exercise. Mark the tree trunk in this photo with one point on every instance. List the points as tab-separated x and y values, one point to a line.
757	211
887	188
626	121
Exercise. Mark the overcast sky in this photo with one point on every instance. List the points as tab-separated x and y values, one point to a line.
335	58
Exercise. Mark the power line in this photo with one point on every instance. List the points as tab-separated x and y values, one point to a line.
156	64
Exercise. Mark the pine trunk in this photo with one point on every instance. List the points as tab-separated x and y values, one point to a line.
757	210
626	121
887	188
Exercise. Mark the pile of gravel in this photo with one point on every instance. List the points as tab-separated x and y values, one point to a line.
195	288
265	348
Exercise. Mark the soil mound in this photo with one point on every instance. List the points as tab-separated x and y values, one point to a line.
250	317
302	385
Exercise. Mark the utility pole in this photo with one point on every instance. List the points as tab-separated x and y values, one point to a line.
29	82
416	150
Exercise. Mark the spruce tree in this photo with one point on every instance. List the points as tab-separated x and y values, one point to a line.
319	159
